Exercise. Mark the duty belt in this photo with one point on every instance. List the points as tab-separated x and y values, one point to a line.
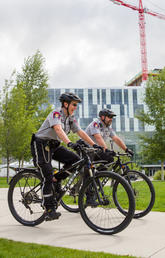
49	142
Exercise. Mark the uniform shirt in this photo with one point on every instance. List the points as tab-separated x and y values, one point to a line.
57	117
98	127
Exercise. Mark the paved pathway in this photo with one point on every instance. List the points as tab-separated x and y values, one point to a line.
144	237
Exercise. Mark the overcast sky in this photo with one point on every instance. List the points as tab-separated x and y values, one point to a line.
86	43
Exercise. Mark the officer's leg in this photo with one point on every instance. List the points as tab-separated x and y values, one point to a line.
66	157
42	159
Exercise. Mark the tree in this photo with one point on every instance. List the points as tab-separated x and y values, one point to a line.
154	98
34	81
6	136
21	108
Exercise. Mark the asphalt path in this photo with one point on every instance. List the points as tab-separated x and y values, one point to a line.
143	237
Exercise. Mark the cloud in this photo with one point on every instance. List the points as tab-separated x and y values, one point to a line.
85	43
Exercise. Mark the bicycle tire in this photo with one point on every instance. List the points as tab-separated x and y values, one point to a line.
143	191
24	203
70	200
105	218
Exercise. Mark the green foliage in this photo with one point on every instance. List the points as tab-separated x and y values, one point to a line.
21	111
153	145
34	81
6	134
158	173
73	137
41	115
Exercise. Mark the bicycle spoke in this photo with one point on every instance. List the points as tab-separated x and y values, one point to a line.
25	198
106	217
143	190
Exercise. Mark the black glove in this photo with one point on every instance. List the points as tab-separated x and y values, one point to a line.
95	146
74	146
129	152
81	142
112	153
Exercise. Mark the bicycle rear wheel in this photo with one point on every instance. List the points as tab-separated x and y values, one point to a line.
25	199
70	200
106	218
143	191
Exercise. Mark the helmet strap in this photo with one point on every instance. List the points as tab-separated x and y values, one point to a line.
66	108
103	120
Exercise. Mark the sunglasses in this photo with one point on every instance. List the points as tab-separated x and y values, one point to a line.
110	116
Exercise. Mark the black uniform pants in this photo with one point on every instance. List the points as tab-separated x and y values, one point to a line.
43	154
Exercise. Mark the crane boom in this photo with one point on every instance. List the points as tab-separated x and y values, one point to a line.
141	11
143	43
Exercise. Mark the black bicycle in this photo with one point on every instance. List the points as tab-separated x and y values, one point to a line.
25	197
141	185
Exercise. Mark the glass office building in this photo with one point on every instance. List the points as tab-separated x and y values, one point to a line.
125	102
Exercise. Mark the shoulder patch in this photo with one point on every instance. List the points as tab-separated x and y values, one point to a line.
95	125
56	114
75	121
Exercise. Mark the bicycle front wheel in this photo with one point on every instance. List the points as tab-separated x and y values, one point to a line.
105	218
25	199
143	191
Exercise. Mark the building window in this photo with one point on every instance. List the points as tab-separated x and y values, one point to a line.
112	96
98	97
135	96
131	124
90	96
118	97
103	97
122	119
126	96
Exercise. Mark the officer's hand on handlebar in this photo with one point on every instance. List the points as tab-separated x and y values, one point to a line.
74	146
129	151
112	153
81	142
95	146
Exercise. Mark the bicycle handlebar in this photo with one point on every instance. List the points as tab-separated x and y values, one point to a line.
118	154
86	150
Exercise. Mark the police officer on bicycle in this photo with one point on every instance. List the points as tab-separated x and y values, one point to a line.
45	146
100	131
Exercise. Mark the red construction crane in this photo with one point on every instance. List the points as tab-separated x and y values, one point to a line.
141	11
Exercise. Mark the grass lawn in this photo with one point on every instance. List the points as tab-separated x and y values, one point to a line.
13	249
3	182
159	191
159	196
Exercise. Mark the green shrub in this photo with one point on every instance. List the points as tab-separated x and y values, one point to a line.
157	175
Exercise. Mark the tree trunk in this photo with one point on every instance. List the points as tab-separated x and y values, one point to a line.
8	164
22	162
162	171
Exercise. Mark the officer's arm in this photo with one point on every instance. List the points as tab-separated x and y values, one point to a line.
119	142
85	137
100	141
61	134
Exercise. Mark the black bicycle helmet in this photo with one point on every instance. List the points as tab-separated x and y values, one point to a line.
68	97
106	112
